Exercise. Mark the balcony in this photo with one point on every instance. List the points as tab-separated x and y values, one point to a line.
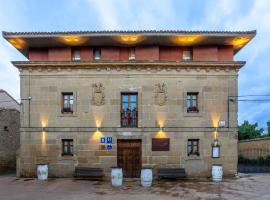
129	118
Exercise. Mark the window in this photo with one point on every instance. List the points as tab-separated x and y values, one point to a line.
76	55
67	147
187	55
193	147
129	113
67	102
131	54
192	102
97	54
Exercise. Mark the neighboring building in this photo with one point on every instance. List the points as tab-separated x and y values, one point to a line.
254	148
9	131
128	99
7	101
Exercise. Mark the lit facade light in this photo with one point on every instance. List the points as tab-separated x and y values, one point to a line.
17	43
186	39
240	41
129	38
72	39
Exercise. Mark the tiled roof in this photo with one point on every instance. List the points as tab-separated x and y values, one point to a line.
112	32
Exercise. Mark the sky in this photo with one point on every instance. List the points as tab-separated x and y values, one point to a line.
67	15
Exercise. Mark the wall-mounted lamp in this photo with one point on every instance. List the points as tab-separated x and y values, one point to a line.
221	123
161	129
97	130
216	149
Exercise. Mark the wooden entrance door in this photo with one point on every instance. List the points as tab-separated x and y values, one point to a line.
129	157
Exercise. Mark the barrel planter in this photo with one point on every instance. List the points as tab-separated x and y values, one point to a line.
117	176
217	173
146	177
42	171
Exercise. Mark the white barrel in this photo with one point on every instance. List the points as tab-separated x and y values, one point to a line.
146	177
42	171
217	173
117	176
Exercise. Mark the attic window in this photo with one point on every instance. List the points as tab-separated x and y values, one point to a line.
97	54
187	55
76	55
131	54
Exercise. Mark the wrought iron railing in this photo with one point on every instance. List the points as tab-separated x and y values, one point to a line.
129	118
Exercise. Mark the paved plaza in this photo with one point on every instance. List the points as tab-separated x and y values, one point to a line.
255	187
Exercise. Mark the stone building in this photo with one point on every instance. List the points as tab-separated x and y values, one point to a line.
9	131
128	99
7	101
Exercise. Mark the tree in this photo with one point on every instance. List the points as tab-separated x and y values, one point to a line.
268	127
249	131
268	130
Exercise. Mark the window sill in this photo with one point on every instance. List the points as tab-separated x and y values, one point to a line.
67	157
192	114
67	115
193	157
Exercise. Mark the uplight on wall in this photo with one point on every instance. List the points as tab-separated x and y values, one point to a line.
161	133
97	135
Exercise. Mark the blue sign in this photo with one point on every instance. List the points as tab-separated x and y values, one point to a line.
109	140
109	147
102	140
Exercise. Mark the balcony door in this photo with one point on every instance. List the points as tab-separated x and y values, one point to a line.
129	111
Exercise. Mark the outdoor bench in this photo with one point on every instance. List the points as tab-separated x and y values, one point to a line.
88	173
171	173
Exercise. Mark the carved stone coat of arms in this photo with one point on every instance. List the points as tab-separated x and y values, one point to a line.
98	97
160	94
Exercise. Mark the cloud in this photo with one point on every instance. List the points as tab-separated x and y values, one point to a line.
21	15
107	13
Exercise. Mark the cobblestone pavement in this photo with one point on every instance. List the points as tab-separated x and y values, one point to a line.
252	188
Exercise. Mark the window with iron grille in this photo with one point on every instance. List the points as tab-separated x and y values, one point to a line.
67	147
129	112
192	102
67	102
193	147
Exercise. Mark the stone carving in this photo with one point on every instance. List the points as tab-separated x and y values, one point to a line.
98	98
160	94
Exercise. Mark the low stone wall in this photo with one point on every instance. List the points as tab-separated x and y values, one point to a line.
254	148
9	138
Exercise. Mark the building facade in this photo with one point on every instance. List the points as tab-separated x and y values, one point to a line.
9	131
128	99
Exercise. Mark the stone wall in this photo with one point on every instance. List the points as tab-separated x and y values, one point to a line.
9	138
254	148
214	85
